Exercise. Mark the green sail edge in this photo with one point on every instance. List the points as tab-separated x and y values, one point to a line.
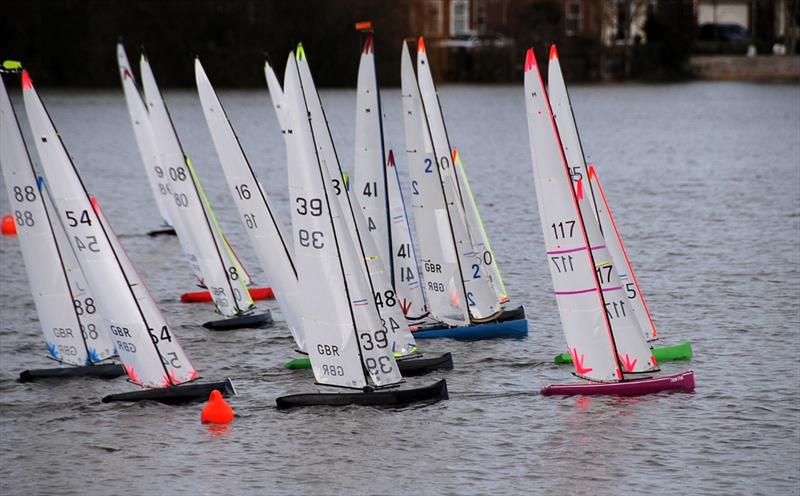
682	351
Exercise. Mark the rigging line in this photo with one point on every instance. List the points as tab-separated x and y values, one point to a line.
370	39
108	239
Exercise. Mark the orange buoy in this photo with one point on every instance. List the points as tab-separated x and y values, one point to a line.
8	226
217	410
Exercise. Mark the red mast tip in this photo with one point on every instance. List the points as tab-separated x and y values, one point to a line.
530	60
367	44
421	45
390	159
553	52
27	84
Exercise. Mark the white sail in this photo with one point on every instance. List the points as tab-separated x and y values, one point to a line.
92	325
443	284
367	254
341	321
263	227
480	292
276	97
621	261
220	273
407	281
144	137
63	314
149	350
369	182
480	238
586	327
586	185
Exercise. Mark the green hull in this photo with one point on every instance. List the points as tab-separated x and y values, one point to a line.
298	363
682	351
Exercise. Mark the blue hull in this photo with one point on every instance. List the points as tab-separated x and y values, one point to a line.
492	330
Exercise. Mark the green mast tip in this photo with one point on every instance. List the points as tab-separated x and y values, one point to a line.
301	54
12	65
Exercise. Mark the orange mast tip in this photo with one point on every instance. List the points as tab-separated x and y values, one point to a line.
553	52
421	45
530	60
363	25
455	155
27	84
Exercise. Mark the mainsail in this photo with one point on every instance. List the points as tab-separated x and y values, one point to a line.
146	344
353	222
598	335
263	227
222	273
346	341
586	182
66	307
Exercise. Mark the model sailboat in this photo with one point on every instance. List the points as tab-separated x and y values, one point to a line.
146	344
195	220
403	345
607	345
71	324
348	344
459	286
586	181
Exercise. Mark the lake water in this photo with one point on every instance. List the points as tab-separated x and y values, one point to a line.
704	179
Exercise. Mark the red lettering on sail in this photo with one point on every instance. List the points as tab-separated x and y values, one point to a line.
405	306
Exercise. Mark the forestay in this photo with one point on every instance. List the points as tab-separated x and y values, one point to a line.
67	313
341	321
444	287
262	226
149	350
219	267
366	254
482	300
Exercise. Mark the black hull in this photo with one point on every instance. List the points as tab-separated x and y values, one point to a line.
508	315
256	321
387	398
410	367
162	232
104	371
176	395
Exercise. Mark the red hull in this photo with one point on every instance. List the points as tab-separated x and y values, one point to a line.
683	381
204	296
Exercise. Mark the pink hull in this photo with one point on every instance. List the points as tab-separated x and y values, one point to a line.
683	381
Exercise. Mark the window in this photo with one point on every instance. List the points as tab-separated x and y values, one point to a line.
459	17
573	19
433	18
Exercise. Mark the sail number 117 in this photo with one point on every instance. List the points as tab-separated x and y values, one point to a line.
563	229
